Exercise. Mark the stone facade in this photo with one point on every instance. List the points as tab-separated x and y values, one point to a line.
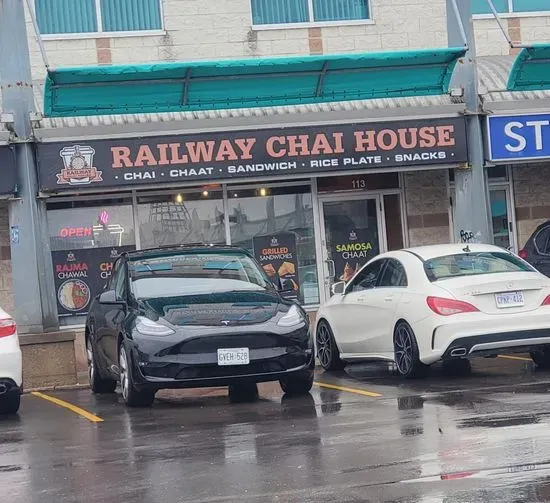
206	29
427	205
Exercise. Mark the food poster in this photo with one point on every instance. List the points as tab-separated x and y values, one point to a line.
351	250
276	253
80	275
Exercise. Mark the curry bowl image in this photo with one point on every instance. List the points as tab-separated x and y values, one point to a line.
74	295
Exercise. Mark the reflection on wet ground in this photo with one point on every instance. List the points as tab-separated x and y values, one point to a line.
453	437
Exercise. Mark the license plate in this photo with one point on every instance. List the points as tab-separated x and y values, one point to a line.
233	356
510	299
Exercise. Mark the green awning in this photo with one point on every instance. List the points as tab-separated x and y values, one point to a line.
531	70
230	84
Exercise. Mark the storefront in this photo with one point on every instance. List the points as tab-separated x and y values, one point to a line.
519	145
313	203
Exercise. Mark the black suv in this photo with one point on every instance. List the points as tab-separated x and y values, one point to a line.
537	249
185	317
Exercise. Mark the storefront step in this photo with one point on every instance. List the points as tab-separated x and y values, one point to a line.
49	360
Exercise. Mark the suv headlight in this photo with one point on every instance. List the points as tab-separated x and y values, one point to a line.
145	326
293	317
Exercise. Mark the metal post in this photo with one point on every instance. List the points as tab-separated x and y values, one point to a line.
472	217
33	281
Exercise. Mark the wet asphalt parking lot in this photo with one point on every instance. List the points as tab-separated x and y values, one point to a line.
363	435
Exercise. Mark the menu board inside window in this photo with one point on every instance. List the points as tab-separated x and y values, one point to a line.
80	275
277	254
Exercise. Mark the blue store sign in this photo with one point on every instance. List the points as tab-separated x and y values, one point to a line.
519	137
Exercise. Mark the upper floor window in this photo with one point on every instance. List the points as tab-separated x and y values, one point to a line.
276	12
66	17
510	6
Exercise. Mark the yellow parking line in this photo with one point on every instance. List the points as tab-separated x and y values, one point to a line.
349	390
521	358
73	408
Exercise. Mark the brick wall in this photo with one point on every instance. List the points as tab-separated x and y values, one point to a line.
531	198
6	296
427	207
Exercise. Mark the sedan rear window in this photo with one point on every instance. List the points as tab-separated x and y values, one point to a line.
471	264
194	274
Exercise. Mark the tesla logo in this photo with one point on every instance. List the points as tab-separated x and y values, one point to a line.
510	285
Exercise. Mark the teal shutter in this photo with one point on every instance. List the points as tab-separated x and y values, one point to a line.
279	11
340	10
66	16
482	6
531	5
130	15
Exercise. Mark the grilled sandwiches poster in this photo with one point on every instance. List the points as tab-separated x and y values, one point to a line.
276	253
351	250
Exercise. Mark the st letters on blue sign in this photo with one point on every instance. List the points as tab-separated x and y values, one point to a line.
520	137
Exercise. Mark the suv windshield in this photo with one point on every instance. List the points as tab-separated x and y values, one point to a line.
470	264
194	273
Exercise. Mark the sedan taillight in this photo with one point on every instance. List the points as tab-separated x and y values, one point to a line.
523	254
448	307
7	327
546	302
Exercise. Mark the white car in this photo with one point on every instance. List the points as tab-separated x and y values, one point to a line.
11	366
445	302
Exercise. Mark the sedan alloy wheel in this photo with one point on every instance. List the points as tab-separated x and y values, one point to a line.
327	351
406	352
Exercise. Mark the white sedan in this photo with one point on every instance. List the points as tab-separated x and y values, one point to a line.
444	302
10	365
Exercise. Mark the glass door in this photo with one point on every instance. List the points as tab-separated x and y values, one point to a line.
501	215
352	231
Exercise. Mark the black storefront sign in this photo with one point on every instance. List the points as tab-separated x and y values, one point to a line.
282	152
351	250
276	253
8	170
80	275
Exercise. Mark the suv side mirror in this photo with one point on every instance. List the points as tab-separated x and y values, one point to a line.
338	288
109	297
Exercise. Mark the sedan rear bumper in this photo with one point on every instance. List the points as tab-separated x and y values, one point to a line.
487	344
479	334
11	364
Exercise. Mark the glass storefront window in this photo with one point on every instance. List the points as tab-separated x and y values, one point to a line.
185	218
78	225
499	214
85	239
272	214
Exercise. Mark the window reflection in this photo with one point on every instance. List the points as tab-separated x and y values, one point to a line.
185	218
92	224
270	210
